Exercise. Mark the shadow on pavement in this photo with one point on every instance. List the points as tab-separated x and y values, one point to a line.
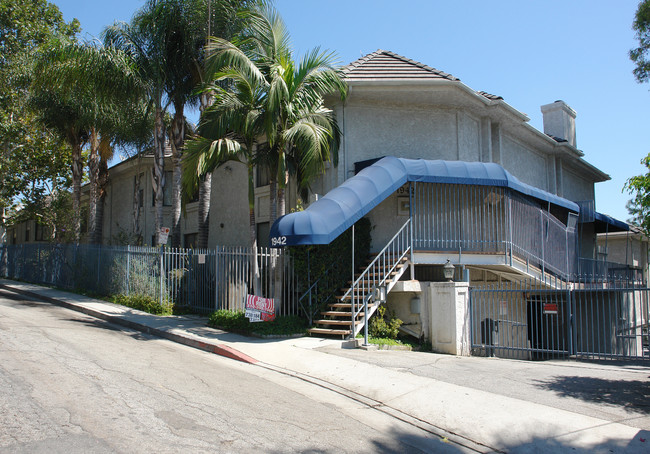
629	394
397	441
640	443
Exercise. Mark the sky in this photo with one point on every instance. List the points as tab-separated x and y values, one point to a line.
530	52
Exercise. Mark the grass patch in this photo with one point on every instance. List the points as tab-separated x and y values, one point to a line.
237	322
144	303
405	341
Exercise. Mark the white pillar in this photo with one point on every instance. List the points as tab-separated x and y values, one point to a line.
449	321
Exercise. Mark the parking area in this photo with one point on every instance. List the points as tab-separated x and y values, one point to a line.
613	391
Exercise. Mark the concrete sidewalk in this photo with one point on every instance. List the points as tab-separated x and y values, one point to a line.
474	418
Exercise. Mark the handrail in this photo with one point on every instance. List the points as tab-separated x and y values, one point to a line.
396	249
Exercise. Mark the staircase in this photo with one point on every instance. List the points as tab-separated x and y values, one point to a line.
345	316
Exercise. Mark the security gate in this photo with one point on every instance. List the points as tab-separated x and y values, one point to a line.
586	319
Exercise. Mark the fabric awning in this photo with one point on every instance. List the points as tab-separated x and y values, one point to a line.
605	223
333	214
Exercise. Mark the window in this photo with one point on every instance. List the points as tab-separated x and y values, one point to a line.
263	176
191	240
27	234
263	233
39	232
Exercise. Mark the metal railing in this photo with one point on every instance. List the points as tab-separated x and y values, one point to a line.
492	220
202	280
320	292
587	268
595	318
378	277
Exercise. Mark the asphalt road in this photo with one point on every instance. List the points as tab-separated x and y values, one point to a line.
611	391
70	383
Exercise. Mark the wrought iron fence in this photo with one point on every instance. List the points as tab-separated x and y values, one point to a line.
201	280
594	318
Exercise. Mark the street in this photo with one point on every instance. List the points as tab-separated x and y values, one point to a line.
71	383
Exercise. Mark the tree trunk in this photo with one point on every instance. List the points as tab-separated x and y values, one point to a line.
255	271
177	142
282	196
93	176
273	197
137	202
77	173
102	182
205	189
159	170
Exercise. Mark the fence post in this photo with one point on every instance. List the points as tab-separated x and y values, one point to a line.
510	225
99	261
128	268
161	275
541	223
570	311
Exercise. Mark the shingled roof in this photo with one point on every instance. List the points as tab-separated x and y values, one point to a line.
388	66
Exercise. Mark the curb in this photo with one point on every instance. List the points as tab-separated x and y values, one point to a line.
221	350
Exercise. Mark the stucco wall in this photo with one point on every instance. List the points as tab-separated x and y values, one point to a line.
228	212
575	187
527	165
229	206
375	130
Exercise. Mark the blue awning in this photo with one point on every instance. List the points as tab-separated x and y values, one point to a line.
327	218
606	223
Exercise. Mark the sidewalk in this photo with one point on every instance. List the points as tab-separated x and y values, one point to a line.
477	419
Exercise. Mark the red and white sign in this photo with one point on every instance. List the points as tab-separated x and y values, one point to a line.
259	309
550	308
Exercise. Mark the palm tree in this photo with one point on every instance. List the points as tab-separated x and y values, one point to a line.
268	97
85	91
301	133
229	130
142	42
167	39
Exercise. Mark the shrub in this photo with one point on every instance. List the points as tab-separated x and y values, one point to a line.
144	303
384	325
237	321
229	320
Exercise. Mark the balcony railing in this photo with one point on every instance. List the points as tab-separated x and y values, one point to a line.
493	220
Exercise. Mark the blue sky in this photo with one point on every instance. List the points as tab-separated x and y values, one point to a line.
530	52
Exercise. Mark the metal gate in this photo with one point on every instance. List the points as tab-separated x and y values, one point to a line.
594	319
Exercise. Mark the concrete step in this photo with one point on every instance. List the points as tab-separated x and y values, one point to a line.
329	332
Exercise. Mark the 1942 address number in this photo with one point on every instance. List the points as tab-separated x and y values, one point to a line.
279	241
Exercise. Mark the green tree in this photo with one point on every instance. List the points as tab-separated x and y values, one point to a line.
89	94
145	46
167	39
274	98
639	55
34	161
639	187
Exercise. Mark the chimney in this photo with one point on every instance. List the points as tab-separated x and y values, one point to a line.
560	121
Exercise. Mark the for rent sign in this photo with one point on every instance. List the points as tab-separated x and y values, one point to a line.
259	309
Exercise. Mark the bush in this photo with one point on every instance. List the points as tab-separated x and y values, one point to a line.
144	303
237	321
229	320
383	325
